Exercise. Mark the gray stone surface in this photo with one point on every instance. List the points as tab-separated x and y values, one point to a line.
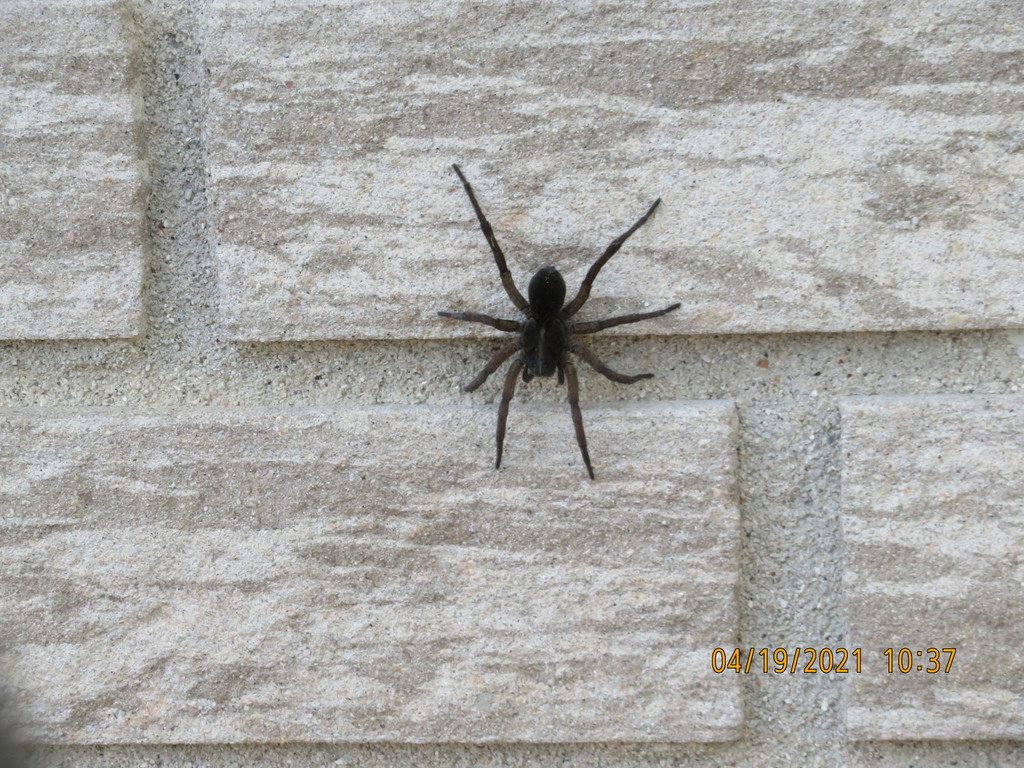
364	574
824	166
786	386
70	173
933	519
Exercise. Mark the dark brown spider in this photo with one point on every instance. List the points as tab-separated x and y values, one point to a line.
547	333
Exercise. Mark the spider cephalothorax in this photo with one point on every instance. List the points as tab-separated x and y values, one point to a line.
546	335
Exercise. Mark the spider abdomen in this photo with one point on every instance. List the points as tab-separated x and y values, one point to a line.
545	343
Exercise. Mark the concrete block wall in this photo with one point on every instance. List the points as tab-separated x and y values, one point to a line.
247	515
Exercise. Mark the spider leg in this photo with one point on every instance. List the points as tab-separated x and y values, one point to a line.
584	293
496	360
593	326
506	398
595	362
577	418
499	257
510	326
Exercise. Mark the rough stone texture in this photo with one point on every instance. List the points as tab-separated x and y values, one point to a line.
824	165
933	517
363	574
786	386
70	175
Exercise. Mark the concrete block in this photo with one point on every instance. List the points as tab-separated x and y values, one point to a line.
933	519
823	167
70	175
364	574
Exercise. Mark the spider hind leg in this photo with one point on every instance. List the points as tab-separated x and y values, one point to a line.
596	363
577	417
506	397
493	364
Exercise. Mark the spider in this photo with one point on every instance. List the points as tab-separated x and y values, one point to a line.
546	335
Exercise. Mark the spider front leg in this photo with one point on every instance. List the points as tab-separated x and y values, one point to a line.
509	326
499	257
584	293
573	385
506	398
595	362
593	326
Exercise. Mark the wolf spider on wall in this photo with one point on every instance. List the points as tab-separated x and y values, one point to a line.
546	335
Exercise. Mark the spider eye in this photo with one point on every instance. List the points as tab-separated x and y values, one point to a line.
546	292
